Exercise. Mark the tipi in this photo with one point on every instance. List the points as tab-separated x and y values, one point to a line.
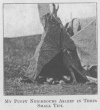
56	53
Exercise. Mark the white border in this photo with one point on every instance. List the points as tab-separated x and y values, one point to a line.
28	106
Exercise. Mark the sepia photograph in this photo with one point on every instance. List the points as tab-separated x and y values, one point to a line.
50	49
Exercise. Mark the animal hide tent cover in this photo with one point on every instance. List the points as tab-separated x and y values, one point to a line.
86	43
45	51
53	41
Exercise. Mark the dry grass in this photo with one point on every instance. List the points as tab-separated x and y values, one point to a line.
15	87
17	54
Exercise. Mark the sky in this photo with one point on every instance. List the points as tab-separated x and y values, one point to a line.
23	19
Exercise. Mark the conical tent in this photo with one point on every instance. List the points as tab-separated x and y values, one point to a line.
54	51
86	43
48	47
